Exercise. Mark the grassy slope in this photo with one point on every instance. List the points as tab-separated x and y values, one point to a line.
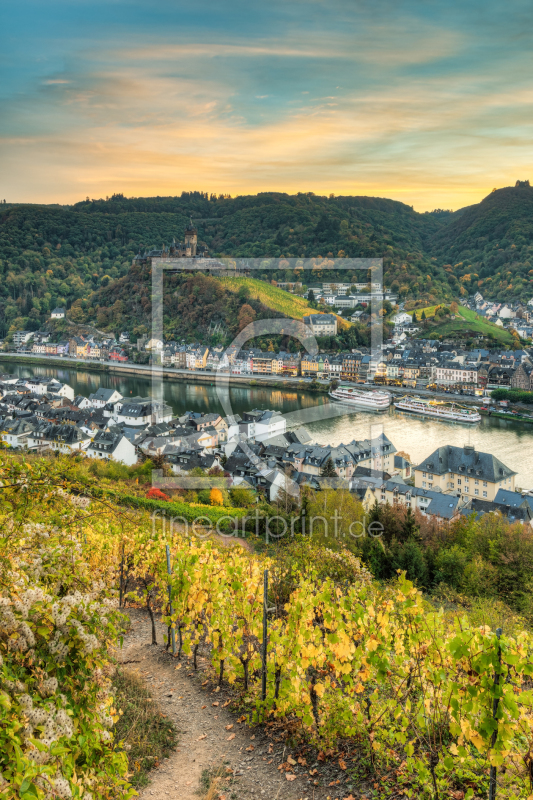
429	311
469	322
275	298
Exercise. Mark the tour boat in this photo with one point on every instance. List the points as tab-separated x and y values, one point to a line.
437	410
359	397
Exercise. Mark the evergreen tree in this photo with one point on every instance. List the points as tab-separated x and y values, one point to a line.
375	514
376	558
423	316
414	317
410	557
328	470
409	529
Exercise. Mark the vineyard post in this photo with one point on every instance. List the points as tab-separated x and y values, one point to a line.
172	632
265	638
495	703
121	577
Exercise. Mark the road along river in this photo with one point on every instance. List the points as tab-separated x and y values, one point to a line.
512	442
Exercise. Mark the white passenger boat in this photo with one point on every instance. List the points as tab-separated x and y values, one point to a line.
438	410
372	398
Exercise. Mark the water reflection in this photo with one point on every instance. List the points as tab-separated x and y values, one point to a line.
509	441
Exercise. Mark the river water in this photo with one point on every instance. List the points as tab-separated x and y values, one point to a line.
511	442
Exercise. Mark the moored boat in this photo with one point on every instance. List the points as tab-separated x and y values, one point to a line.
373	398
451	412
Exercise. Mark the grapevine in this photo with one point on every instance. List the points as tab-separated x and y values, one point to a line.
429	695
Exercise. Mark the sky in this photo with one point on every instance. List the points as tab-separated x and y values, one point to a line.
429	103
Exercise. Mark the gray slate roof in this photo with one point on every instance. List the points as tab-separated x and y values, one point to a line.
467	461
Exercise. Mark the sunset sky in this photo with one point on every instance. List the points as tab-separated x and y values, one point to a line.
424	102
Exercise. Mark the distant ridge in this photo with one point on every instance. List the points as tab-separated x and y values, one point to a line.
52	255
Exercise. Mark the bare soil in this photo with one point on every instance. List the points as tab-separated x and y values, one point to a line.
210	736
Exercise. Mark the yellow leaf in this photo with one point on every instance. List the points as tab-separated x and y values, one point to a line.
476	739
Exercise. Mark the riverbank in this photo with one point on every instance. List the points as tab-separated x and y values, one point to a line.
508	415
167	373
508	439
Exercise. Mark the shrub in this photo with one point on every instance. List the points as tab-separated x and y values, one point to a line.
56	708
450	566
241	497
157	494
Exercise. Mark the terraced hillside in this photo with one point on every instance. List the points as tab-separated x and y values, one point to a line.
465	325
277	299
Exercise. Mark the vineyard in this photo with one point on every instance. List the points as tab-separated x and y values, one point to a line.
438	706
276	299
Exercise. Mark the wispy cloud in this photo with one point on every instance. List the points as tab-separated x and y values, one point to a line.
413	108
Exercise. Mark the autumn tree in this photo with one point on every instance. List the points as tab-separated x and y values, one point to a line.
215	497
246	316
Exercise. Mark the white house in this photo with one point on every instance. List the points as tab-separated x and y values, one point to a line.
37	385
402	318
102	396
21	337
40	385
322	324
141	411
16	433
274	481
453	372
242	364
267	425
81	402
154	344
60	438
112	447
62	389
58	313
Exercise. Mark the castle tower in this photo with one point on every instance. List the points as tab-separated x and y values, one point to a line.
191	239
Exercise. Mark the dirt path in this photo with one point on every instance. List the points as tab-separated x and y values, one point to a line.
248	758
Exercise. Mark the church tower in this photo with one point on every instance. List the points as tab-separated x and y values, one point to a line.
191	239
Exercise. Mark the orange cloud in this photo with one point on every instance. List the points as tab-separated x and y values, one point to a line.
147	125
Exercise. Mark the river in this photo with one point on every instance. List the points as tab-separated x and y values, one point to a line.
511	442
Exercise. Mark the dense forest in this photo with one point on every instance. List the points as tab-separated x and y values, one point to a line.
490	245
77	256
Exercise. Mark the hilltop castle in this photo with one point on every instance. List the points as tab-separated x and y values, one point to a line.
189	249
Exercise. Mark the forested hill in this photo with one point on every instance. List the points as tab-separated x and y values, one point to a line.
490	245
52	255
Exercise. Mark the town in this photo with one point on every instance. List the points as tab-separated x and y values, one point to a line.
403	361
254	451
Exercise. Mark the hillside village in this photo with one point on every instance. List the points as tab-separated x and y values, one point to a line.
254	451
451	364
